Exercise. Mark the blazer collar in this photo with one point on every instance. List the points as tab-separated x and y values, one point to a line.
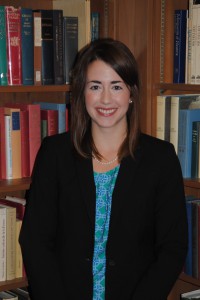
126	175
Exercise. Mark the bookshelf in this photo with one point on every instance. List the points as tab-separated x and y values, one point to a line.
162	84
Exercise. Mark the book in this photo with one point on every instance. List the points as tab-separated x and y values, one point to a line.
15	135
197	52
70	46
180	27
186	117
58	46
27	46
18	253
2	145
163	117
191	295
3	51
10	242
178	102
61	108
47	47
22	293
195	149
18	203
51	118
2	243
82	10
95	25
25	158
8	295
8	148
37	47
34	128
13	41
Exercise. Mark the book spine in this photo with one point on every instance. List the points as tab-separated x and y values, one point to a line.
13	33
27	46
18	258
180	27
2	145
52	120
3	54
70	36
58	46
37	53
193	44
8	148
195	151
2	244
47	47
11	243
95	26
25	159
197	54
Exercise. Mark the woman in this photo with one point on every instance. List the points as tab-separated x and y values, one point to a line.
105	215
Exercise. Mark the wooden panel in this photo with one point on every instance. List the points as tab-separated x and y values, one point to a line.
44	4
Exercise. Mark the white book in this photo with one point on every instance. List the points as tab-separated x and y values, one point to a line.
8	295
10	242
2	243
163	117
8	145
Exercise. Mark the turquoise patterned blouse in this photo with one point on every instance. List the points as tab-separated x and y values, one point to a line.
104	183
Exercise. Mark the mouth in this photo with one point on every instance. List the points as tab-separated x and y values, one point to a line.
106	112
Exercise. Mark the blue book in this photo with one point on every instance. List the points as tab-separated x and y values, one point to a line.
180	29
95	26
27	46
186	118
61	107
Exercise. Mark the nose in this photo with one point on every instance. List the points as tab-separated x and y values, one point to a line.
106	96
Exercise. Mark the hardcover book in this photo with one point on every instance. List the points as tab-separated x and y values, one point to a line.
180	27
51	118
2	243
13	34
163	117
70	33
3	53
27	46
37	51
58	46
186	117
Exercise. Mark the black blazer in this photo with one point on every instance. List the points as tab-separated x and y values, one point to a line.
147	240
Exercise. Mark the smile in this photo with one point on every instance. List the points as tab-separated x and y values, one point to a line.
106	111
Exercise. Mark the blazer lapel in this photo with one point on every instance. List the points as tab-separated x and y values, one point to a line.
124	183
87	186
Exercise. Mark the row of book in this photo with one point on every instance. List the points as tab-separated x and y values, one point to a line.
22	128
11	216
36	46
16	294
187	44
178	119
192	295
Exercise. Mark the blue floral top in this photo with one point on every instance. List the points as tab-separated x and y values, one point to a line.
104	183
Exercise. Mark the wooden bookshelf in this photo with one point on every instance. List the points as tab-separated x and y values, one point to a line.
13	284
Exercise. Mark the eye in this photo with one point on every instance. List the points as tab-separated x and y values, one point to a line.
94	87
117	87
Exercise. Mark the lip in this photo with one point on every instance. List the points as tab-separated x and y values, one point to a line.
106	112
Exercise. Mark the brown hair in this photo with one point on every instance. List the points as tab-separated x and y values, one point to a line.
119	57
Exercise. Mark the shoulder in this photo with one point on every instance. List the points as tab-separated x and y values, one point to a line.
156	150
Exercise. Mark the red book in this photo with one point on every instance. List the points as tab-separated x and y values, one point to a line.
51	117
25	159
34	128
20	207
13	35
2	145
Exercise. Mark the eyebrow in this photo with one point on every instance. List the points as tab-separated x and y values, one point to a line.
112	82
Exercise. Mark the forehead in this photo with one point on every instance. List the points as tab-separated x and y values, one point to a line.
100	70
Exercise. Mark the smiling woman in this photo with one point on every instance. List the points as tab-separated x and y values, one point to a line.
91	230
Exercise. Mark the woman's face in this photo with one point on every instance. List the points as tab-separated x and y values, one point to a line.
106	96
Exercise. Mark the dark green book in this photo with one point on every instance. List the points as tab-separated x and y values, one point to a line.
3	55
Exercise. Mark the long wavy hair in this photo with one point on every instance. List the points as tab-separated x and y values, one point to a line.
118	56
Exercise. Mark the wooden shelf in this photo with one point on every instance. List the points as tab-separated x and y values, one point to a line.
177	87
14	184
35	88
13	284
189	279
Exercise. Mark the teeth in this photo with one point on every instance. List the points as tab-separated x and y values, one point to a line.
106	111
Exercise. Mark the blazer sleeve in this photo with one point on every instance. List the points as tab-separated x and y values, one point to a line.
38	233
171	233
